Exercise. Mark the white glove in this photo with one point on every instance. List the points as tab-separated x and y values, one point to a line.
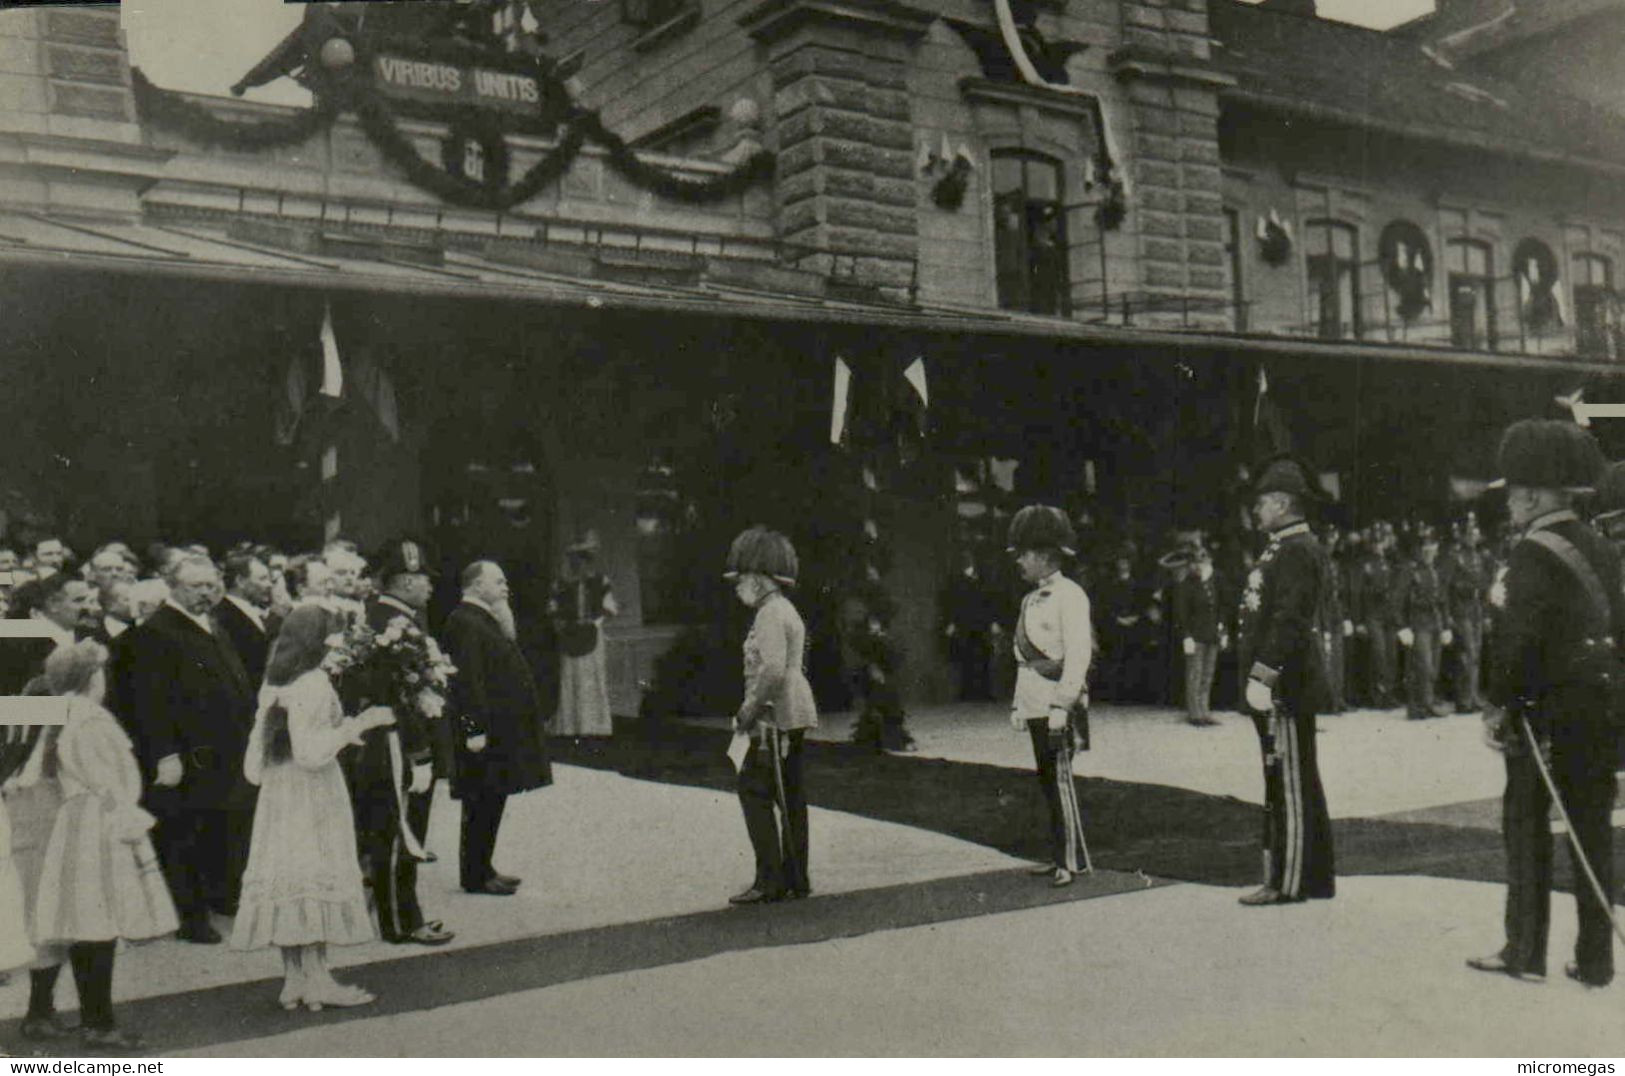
1495	728
1406	637
1259	696
170	771
422	776
1189	645
1348	628
1446	637
1057	718
476	744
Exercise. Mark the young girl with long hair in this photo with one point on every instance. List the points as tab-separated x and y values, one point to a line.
302	887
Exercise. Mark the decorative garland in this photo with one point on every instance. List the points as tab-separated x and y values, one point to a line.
164	108
1407	267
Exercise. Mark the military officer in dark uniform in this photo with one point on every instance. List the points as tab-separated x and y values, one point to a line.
1196	620
1283	649
1550	691
1375	626
1465	584
1423	629
393	777
1337	613
969	617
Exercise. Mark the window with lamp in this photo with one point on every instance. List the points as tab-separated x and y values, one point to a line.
1029	233
1470	264
1332	250
1594	304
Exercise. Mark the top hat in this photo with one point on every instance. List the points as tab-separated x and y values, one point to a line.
587	544
403	556
1548	454
1611	491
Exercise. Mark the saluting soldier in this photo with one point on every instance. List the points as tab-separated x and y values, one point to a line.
1550	691
395	770
1283	623
1423	628
1053	642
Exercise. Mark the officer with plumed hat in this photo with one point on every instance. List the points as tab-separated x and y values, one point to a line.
395	771
777	710
1283	625
1053	644
1552	691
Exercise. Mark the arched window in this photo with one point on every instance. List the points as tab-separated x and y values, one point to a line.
1029	233
1534	274
1471	265
1593	301
1333	252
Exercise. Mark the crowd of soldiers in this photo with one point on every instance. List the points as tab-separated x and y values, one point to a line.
1407	622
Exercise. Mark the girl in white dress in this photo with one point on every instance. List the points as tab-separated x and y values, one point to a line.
302	887
100	881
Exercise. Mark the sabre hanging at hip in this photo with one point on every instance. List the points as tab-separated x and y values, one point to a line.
1574	838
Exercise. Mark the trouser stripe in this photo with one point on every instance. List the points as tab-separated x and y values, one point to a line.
1071	815
1293	810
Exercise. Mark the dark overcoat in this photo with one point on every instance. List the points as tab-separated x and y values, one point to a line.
494	694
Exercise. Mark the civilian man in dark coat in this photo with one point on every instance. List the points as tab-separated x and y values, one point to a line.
392	783
1283	647
969	615
500	748
1551	673
1423	626
244	610
189	707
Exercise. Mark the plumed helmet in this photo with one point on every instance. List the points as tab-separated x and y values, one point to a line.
404	556
1040	526
1611	490
1288	474
764	552
1548	454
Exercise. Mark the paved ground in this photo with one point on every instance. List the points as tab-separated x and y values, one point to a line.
918	943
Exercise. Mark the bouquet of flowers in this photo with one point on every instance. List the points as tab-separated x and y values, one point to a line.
401	667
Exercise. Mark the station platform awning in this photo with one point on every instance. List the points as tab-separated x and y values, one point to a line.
207	251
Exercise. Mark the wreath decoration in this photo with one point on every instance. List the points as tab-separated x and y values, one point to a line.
1407	267
1274	239
1534	267
340	82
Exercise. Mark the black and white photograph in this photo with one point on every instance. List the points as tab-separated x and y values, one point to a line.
730	529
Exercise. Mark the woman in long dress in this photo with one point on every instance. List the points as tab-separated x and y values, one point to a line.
302	887
100	881
581	602
16	950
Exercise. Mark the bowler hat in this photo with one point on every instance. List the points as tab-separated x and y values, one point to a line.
1040	526
1288	474
1548	454
403	556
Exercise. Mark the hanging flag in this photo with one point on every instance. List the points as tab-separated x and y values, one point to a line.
1270	434
915	376
332	368
291	408
840	408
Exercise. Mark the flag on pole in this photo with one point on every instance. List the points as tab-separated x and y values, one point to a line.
841	406
332	368
1270	434
291	408
915	376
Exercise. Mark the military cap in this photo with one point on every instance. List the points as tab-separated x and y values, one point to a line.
403	556
1184	555
1039	526
763	552
1288	474
1548	454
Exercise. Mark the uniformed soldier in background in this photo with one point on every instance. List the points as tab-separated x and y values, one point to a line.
1053	641
1465	584
1553	690
1375	626
1283	624
1422	628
